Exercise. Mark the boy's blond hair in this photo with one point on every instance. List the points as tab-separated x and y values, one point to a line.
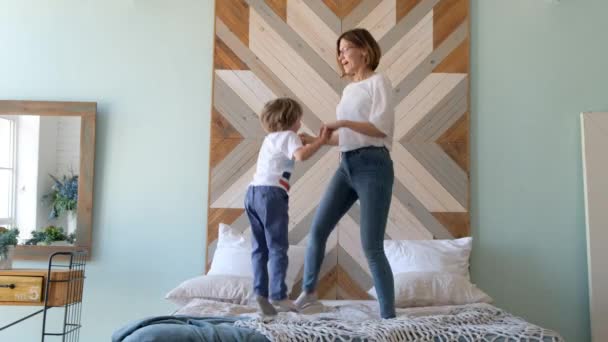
280	114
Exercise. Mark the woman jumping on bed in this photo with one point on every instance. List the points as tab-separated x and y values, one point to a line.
266	201
363	132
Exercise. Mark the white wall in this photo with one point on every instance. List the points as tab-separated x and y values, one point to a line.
47	165
68	146
148	65
536	65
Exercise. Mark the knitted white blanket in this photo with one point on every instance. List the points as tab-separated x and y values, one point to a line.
459	325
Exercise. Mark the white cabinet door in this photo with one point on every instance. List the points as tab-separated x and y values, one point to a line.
594	133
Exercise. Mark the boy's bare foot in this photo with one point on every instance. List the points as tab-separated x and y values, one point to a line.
265	306
284	305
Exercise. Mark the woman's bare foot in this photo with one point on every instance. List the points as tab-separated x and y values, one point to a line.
305	300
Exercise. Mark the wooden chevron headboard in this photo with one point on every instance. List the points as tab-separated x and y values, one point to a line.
270	48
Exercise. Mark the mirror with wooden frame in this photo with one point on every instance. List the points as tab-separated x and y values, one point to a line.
47	154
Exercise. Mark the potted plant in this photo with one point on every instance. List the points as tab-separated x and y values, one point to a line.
51	236
8	241
63	198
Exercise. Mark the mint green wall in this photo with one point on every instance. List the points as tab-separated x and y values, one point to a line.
535	66
148	65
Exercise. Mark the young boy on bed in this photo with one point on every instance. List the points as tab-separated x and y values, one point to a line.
267	198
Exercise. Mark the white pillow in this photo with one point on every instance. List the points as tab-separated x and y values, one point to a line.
232	256
434	289
222	288
451	256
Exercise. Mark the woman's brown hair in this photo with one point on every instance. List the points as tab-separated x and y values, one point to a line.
362	39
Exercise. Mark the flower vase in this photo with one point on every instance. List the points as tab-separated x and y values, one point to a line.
6	261
71	222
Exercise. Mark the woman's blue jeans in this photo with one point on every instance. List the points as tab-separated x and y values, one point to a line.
365	174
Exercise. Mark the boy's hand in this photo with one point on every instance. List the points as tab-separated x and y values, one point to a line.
306	138
311	144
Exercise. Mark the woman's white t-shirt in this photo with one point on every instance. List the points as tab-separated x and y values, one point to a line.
369	100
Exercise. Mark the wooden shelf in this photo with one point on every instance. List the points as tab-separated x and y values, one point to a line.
29	287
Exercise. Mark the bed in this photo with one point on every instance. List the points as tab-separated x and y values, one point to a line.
339	320
434	296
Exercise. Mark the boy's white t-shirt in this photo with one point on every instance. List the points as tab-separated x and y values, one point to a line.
275	160
369	100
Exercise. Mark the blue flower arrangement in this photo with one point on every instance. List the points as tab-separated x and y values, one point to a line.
63	196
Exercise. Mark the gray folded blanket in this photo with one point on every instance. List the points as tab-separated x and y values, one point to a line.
186	329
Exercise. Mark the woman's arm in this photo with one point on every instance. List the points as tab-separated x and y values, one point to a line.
366	128
334	139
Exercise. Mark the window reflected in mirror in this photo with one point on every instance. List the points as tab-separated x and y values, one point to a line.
39	169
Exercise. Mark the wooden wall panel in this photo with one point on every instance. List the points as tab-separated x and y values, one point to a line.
404	7
267	48
342	7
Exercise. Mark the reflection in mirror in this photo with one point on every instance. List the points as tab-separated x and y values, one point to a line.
39	168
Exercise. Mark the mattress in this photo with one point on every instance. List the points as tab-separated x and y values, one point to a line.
355	321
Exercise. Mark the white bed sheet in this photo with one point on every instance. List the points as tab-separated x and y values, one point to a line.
479	322
357	310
